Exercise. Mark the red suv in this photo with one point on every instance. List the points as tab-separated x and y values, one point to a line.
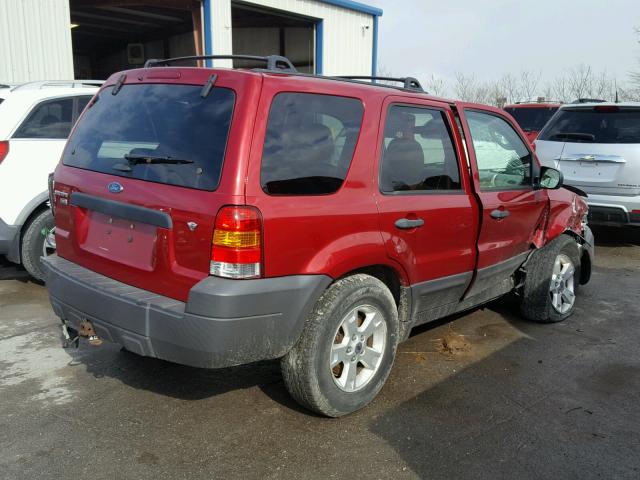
532	116
215	217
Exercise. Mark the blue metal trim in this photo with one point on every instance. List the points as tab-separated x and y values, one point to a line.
374	49
357	6
207	27
319	45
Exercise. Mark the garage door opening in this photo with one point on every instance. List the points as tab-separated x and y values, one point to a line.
115	35
260	31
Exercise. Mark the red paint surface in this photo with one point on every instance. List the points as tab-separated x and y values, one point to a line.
327	234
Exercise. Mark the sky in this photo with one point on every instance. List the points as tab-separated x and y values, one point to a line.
488	38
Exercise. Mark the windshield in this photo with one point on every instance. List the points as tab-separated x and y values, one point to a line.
594	126
531	119
179	136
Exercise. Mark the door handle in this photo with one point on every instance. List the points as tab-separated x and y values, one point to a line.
500	214
408	223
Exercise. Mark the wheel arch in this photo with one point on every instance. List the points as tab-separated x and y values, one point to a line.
29	211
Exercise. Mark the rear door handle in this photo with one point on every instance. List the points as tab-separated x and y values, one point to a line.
408	223
499	214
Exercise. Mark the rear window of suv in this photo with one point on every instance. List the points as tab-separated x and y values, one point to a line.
531	119
158	133
594	125
309	143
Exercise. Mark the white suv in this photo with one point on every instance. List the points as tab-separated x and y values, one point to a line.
35	121
597	148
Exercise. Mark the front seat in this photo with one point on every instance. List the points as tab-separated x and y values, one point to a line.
403	158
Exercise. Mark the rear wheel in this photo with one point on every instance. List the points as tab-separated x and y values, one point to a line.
346	350
551	282
36	243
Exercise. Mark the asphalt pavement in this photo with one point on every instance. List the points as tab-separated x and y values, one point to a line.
480	395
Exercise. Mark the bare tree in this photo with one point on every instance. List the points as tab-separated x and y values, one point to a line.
436	86
634	76
529	81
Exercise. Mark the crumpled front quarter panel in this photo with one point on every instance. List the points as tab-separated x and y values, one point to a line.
566	210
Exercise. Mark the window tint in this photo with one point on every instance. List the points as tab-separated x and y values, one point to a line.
503	159
309	143
597	125
155	123
51	119
418	153
81	103
531	119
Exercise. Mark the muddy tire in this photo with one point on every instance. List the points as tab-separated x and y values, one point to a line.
347	347
551	282
32	246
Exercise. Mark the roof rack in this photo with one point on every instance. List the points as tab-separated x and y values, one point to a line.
275	63
409	83
58	83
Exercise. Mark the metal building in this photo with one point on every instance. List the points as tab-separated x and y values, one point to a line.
63	39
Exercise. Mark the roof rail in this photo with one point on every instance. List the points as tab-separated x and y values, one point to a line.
57	83
274	62
588	100
409	83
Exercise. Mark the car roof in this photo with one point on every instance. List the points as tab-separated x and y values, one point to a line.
533	105
587	106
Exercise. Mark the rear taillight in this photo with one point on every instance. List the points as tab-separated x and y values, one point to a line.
236	250
4	150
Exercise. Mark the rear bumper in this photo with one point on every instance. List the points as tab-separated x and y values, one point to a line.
224	323
613	210
9	234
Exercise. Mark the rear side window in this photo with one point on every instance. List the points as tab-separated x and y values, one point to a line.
599	125
157	133
418	153
532	119
52	119
309	143
504	161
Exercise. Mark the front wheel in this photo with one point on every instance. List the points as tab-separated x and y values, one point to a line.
347	347
551	282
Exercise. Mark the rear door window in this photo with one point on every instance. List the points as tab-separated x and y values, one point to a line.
157	133
309	143
418	153
51	119
594	125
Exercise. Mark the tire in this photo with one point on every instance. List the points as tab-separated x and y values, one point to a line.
306	369
539	303
32	247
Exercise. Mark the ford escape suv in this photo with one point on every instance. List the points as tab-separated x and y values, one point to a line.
215	217
597	147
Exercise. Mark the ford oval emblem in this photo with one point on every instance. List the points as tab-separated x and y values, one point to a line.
115	187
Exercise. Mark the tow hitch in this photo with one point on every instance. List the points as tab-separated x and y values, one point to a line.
86	330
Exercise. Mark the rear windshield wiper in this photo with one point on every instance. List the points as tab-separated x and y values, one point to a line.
586	137
133	159
137	159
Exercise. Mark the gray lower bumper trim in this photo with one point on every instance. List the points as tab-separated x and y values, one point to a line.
224	323
8	235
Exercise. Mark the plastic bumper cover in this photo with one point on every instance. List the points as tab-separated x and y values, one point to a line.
224	322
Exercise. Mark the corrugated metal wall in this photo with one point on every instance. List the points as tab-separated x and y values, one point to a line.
347	42
35	40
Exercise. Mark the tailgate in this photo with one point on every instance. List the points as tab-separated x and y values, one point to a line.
602	168
141	181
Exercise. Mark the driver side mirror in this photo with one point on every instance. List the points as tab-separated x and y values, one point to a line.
550	178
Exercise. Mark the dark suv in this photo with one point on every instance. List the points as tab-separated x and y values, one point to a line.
216	217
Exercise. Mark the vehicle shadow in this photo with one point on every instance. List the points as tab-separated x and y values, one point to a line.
616	236
179	381
11	271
